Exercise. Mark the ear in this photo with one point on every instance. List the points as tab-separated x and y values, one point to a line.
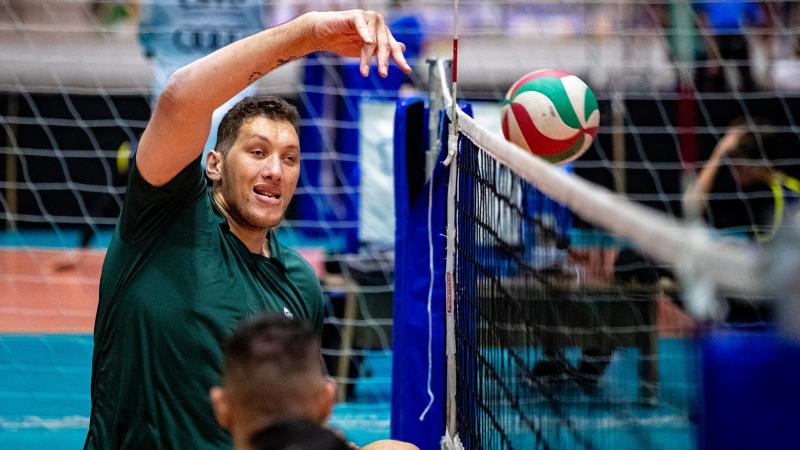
214	161
326	400
219	401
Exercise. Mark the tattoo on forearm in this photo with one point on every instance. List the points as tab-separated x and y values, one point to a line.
283	61
254	76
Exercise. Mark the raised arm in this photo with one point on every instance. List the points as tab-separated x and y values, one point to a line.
182	117
696	197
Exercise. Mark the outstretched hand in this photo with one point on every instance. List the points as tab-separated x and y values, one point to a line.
361	34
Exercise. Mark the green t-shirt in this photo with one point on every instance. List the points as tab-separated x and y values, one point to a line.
175	282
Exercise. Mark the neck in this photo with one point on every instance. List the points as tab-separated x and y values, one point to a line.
241	441
255	239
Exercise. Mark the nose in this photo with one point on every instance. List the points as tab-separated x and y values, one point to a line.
272	168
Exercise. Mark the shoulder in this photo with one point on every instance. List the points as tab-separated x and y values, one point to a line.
147	209
299	270
298	267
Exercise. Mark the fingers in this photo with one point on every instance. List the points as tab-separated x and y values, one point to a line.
378	41
366	58
383	47
365	25
363	29
398	48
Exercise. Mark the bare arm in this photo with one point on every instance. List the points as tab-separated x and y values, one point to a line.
182	117
387	444
696	197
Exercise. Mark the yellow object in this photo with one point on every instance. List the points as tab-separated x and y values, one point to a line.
778	182
123	157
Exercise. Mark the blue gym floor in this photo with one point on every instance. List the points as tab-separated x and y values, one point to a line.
44	394
44	399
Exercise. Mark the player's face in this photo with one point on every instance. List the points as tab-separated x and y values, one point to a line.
260	172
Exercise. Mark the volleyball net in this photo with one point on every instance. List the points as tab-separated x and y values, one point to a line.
573	313
76	90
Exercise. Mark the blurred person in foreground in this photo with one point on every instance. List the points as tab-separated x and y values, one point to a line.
187	263
755	163
744	190
272	372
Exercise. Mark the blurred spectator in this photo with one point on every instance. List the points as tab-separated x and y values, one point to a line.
722	25
747	182
744	189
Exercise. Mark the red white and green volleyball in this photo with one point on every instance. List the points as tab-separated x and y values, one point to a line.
552	114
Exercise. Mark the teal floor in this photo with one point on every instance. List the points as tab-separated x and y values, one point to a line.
613	416
44	400
44	394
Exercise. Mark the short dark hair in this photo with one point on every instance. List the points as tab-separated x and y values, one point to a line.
756	146
271	107
270	363
762	144
296	434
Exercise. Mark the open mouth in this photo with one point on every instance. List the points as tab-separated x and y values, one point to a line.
267	193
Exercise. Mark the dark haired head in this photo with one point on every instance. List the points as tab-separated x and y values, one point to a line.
270	107
757	139
760	145
272	369
296	434
756	145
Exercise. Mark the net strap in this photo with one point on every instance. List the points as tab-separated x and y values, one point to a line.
440	91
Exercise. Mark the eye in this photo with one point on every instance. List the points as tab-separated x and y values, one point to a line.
257	153
290	159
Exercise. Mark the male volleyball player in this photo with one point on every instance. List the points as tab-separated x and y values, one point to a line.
272	372
185	265
767	187
764	189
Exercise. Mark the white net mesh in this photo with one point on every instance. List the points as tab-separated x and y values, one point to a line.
697	121
75	95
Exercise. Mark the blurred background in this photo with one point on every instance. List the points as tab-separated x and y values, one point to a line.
78	79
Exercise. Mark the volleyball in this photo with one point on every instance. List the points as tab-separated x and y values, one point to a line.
552	114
